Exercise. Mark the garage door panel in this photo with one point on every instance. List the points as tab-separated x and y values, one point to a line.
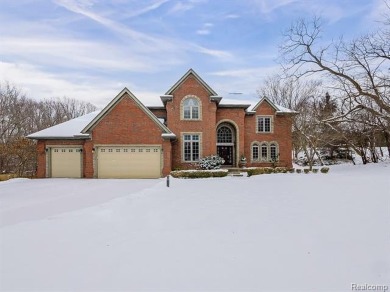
129	162
66	162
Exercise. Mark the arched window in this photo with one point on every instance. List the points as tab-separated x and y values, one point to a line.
264	151
224	135
273	151
191	109
255	152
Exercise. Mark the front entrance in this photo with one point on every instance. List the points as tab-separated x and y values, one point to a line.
226	152
226	148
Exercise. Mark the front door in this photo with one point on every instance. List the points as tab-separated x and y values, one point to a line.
226	152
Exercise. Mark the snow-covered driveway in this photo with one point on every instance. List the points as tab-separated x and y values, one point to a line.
279	232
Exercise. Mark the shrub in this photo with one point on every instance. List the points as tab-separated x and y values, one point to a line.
324	169
299	170
306	170
314	170
198	173
291	170
260	170
281	169
211	162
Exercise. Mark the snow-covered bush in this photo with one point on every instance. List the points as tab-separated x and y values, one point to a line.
280	169
306	170
324	169
211	162
314	170
299	170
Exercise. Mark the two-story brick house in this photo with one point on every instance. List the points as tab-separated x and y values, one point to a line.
129	140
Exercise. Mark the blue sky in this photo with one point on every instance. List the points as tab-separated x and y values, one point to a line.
90	50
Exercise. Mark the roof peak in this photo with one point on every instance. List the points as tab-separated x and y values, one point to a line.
185	76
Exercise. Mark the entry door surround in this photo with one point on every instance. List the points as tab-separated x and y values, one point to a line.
226	143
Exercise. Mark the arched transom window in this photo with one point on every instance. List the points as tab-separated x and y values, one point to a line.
224	135
265	151
191	109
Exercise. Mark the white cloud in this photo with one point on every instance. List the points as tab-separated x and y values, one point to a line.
155	5
268	6
232	16
38	84
205	30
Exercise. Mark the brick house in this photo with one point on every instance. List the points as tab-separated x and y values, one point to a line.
129	140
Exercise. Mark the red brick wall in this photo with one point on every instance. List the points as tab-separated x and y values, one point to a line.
160	113
127	123
281	134
206	125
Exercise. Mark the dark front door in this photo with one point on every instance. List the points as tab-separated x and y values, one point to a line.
226	152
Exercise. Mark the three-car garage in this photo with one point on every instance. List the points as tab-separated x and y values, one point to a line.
130	161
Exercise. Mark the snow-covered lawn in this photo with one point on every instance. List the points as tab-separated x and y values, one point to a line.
276	232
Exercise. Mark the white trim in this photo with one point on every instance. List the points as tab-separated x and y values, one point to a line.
271	124
237	133
182	145
190	96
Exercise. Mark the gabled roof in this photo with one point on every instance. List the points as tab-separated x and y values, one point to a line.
67	130
112	104
279	109
197	77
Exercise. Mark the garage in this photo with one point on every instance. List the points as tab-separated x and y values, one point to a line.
129	162
66	162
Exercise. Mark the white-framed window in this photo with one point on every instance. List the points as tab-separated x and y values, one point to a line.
255	152
264	124
264	151
191	108
191	147
273	151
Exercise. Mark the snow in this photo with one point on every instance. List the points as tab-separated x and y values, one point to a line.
69	129
274	232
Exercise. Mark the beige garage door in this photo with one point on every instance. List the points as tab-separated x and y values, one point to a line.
66	162
129	162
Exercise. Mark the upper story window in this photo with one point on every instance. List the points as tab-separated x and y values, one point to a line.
191	108
264	124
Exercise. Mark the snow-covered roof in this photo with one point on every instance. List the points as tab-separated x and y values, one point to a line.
70	129
279	109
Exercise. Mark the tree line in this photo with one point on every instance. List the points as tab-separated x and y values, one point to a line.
21	116
340	89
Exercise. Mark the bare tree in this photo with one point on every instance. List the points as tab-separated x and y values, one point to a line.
307	98
20	116
357	71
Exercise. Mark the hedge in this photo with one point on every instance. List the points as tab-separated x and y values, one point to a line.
266	170
198	173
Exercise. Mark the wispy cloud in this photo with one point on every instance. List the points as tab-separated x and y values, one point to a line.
145	42
183	6
206	29
39	84
269	6
153	6
232	16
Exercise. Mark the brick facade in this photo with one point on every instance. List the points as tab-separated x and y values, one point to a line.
127	122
